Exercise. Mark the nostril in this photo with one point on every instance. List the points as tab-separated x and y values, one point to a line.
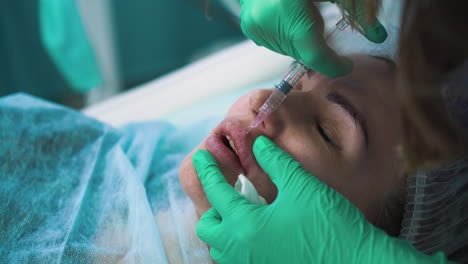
261	126
256	99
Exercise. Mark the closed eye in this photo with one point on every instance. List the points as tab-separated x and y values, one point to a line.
358	118
326	136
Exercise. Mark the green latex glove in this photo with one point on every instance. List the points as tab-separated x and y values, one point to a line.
307	223
66	41
295	28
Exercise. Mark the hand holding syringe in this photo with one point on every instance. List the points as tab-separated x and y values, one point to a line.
295	73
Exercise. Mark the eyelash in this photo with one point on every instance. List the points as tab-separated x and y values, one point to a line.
323	133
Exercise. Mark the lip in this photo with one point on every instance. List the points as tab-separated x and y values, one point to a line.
244	161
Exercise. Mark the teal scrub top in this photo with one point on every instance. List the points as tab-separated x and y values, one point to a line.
65	39
35	51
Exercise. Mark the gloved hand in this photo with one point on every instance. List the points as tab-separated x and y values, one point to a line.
307	223
295	28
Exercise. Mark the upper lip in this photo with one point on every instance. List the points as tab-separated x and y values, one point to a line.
242	140
244	161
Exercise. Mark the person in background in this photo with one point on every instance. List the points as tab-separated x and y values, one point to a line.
63	50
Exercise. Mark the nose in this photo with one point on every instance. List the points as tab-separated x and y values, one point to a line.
296	110
273	125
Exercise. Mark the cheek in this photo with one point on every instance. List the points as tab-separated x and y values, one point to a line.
303	147
345	177
365	189
318	160
190	182
350	177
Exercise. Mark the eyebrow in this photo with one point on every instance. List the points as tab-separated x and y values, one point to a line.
389	61
346	104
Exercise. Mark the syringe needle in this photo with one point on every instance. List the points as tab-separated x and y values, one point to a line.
262	115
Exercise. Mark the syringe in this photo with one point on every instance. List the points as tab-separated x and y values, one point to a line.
281	91
292	77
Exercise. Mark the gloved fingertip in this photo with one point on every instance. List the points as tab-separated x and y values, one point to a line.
377	33
343	68
261	144
216	255
207	228
201	158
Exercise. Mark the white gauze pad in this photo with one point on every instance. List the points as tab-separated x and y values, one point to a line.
247	189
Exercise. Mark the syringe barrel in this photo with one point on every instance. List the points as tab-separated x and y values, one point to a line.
295	73
275	99
284	87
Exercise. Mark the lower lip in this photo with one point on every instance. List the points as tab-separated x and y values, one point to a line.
222	154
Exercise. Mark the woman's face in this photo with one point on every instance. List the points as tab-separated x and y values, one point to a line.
345	131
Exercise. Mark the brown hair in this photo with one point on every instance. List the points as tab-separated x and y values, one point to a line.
353	8
433	42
